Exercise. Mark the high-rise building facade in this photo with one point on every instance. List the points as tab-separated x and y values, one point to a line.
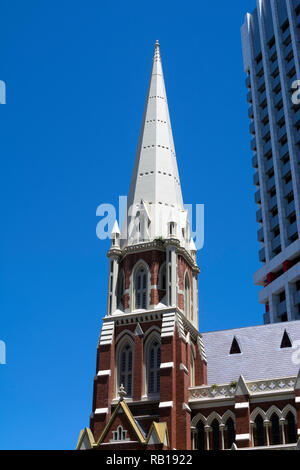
271	50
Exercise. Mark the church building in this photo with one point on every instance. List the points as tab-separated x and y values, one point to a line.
160	384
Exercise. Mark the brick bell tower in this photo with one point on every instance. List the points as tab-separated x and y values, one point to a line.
149	343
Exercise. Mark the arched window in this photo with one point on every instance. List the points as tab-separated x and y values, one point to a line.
187	296
120	290
125	368
275	440
162	282
140	286
230	433
153	367
119	434
291	428
200	443
215	435
259	436
192	368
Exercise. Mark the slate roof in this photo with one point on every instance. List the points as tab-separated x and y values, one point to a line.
261	356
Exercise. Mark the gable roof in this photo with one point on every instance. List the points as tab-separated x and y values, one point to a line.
158	434
122	406
261	355
86	440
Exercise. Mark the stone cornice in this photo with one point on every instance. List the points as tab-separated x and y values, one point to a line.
152	315
257	389
155	245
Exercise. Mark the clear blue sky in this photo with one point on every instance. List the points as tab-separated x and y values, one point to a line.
77	74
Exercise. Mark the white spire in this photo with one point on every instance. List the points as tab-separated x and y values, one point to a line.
155	179
155	175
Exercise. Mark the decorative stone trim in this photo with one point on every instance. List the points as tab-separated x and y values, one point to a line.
184	368
166	404
242	437
103	372
167	365
239	406
258	389
168	324
186	407
180	326
201	349
107	332
101	411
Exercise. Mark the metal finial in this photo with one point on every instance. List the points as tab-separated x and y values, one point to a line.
122	392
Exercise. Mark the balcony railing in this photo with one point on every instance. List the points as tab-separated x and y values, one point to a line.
287	188
274	222
255	161
281	308
256	179
290	208
260	235
276	242
292	229
259	216
257	197
269	165
262	255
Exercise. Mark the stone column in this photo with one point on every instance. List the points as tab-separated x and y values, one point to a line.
207	431
222	428
194	437
267	425
282	422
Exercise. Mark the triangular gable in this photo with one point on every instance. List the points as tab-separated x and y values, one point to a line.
235	347
241	388
158	434
286	341
122	408
86	440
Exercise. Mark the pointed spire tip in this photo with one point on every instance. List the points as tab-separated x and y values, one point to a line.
157	43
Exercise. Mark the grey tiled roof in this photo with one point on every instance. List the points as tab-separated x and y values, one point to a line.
261	356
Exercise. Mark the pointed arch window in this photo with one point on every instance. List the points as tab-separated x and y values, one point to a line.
120	290
153	372
259	437
291	428
162	277
200	443
125	368
215	435
141	288
230	428
192	368
275	440
119	434
187	296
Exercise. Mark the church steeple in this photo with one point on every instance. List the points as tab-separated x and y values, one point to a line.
149	343
155	191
